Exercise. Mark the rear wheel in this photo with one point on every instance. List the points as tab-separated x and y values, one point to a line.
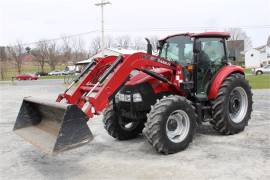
233	105
171	124
119	127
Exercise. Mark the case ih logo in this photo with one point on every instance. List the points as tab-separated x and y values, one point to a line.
153	58
164	62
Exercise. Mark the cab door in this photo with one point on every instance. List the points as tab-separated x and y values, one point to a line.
211	58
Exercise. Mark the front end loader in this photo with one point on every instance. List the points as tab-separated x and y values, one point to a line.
163	97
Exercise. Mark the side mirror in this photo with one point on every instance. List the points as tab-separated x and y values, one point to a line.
197	46
149	46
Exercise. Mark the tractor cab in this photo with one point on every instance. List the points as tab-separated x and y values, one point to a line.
201	55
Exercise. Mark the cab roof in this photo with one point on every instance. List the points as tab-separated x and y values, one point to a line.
203	34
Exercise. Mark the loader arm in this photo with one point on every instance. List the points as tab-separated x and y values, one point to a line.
100	66
118	76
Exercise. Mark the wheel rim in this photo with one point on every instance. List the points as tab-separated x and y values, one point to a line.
238	104
177	126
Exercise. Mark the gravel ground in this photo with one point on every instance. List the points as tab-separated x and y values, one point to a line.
209	156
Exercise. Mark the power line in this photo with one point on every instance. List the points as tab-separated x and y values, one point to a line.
155	29
59	38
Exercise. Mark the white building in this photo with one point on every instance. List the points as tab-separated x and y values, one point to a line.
257	57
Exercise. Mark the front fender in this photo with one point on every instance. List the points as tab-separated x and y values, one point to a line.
221	75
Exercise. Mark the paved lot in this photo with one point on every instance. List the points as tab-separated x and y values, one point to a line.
210	156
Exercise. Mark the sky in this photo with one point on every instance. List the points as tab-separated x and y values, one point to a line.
32	20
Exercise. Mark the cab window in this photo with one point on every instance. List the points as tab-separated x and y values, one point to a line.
178	49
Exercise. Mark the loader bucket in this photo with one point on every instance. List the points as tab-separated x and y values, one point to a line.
52	127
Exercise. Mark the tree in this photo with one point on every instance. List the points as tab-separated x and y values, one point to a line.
95	46
139	43
41	54
53	55
78	51
239	34
16	53
123	41
108	42
154	42
66	50
3	62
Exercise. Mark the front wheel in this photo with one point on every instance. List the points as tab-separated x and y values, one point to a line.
233	105
120	127
171	124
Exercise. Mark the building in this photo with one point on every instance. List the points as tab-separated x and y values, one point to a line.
258	57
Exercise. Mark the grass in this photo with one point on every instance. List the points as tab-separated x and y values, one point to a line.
259	82
52	77
30	68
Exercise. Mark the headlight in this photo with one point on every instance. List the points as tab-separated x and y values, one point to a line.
127	97
121	97
116	98
124	97
137	97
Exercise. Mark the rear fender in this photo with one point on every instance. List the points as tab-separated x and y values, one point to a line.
221	75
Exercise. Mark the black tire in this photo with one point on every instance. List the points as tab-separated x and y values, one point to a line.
112	123
155	127
222	121
259	72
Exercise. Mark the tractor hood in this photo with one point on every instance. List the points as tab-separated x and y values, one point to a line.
141	77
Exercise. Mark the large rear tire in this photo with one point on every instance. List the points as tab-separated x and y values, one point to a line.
119	127
233	105
171	124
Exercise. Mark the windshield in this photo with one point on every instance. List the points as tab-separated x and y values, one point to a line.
178	49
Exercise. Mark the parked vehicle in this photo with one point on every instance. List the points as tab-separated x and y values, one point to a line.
26	77
262	70
41	74
56	73
68	72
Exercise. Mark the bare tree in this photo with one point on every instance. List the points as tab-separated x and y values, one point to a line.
16	54
95	46
41	54
240	34
123	41
139	43
53	55
3	62
78	50
66	50
154	42
108	42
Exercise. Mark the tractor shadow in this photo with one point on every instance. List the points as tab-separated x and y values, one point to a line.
53	167
207	129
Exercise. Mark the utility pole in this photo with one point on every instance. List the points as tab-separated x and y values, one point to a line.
102	4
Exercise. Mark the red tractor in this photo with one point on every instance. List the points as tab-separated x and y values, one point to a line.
164	97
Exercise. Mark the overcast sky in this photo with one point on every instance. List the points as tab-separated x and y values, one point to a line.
32	20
